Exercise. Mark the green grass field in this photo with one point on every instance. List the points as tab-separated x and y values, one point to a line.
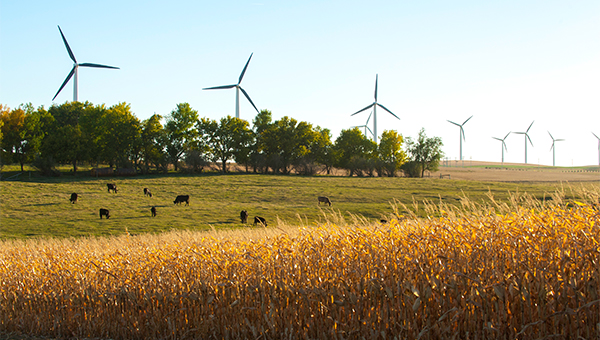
40	207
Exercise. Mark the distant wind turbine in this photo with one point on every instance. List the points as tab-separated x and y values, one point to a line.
237	90
75	68
598	147
553	148
462	133
526	138
374	106
503	144
366	126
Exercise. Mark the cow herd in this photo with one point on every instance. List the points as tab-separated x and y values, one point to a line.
184	199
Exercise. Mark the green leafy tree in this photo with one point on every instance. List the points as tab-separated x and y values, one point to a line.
225	139
180	132
425	154
354	152
391	154
65	141
262	122
152	149
121	130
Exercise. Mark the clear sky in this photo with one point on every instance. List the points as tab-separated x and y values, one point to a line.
507	63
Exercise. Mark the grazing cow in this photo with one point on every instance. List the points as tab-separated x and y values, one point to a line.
104	212
244	216
261	220
147	192
182	198
324	200
112	187
73	198
153	211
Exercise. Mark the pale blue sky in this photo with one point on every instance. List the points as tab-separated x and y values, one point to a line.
507	63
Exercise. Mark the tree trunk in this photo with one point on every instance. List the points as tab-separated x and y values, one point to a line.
74	166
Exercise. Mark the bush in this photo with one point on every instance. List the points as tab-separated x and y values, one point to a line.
411	169
46	166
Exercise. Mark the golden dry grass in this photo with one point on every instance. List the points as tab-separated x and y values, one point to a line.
523	269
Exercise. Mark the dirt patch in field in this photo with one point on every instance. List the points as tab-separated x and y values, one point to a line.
496	172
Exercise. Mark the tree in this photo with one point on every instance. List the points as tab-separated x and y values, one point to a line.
179	131
120	130
425	152
23	133
354	152
65	141
258	153
225	139
390	152
151	142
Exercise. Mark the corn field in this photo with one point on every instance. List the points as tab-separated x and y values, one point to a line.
515	270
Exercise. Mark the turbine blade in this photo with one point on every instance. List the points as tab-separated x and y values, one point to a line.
467	120
529	126
453	123
552	147
507	135
244	71
67	46
560	140
596	136
385	108
220	87
98	66
370	114
65	82
376	77
361	110
550	135
462	132
248	97
527	136
369	130
504	145
498	139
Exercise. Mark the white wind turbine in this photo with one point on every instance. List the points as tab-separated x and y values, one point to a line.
503	144
237	90
366	126
462	133
598	147
75	68
553	148
526	133
374	106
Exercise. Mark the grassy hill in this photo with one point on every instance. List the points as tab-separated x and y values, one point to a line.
40	207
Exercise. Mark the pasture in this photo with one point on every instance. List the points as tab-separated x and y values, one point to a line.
40	207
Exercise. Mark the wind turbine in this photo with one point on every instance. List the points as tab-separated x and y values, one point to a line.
75	68
462	133
526	138
554	148
237	90
598	147
374	106
503	144
366	125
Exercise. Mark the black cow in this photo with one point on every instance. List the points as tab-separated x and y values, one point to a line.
244	216
73	198
147	192
324	200
104	212
153	211
261	220
182	198
112	187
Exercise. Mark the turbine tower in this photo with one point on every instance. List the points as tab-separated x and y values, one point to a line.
462	133
598	147
503	144
526	138
75	68
553	148
366	126
237	90
374	106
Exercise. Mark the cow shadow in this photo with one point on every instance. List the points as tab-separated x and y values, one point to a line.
42	204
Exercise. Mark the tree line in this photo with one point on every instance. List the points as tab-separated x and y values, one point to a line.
80	132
